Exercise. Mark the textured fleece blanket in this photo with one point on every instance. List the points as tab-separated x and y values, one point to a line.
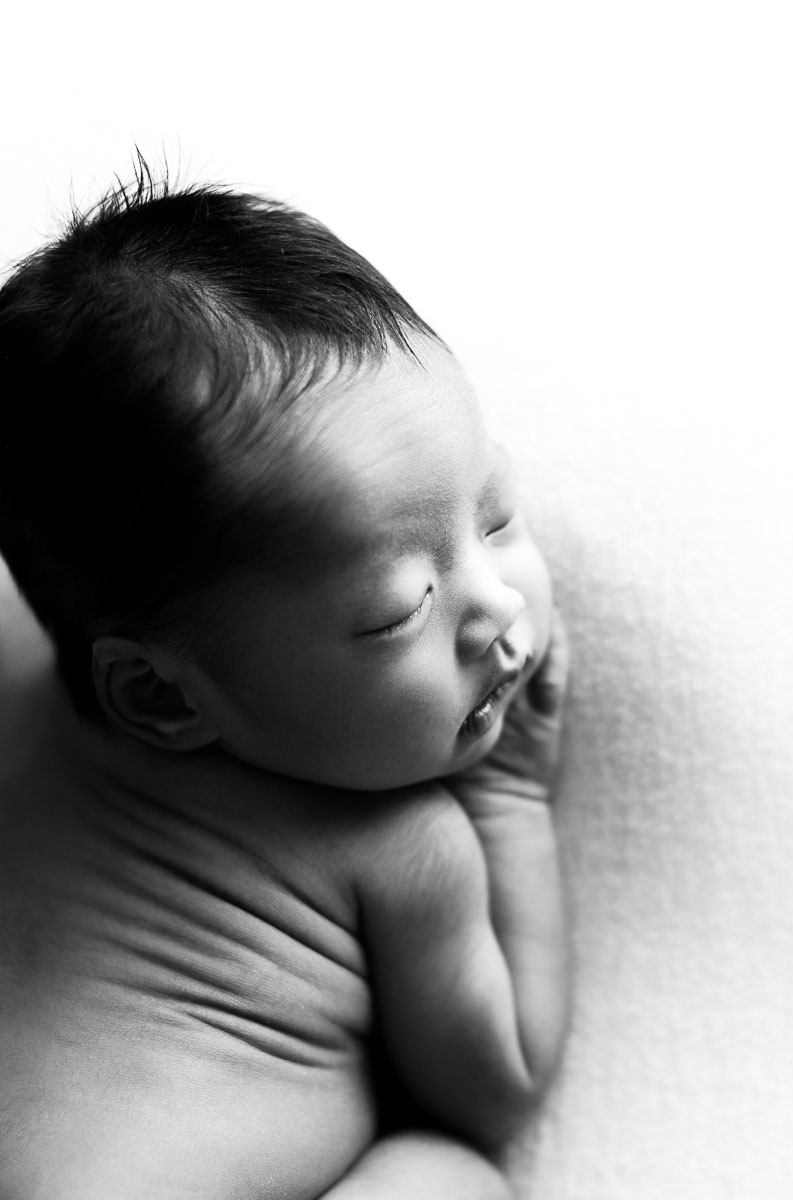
669	529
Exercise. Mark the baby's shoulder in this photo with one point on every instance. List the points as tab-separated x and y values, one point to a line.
414	835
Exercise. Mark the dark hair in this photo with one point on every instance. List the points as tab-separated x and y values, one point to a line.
145	356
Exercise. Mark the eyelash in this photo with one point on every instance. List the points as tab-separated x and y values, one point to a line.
388	630
501	525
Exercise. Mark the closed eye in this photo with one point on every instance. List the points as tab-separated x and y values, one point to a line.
397	626
500	524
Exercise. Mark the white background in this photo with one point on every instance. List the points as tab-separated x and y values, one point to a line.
593	204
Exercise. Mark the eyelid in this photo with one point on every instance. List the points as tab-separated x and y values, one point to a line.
498	502
502	522
395	626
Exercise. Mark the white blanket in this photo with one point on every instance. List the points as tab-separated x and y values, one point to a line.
669	530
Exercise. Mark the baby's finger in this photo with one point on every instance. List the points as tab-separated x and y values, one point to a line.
548	685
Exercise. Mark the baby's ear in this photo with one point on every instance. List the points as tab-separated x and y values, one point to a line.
134	696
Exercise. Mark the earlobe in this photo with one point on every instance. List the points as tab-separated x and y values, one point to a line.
135	697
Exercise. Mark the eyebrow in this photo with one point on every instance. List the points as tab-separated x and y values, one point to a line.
397	543
491	491
400	544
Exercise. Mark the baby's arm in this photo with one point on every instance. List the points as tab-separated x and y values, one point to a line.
465	930
507	798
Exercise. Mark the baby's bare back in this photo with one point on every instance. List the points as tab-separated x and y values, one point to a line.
184	1005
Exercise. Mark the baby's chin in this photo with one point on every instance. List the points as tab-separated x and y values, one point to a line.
476	749
402	773
395	780
467	752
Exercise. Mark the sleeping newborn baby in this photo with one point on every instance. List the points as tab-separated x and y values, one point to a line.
291	792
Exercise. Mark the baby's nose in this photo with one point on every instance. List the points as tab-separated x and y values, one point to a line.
491	617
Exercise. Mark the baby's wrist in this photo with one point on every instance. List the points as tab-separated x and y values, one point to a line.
512	800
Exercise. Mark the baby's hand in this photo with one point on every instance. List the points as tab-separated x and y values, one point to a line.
523	761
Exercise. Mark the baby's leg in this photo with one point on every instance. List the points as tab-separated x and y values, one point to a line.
421	1166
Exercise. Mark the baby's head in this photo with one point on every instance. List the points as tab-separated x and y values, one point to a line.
248	491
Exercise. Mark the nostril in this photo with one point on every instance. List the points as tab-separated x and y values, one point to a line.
490	615
517	646
512	640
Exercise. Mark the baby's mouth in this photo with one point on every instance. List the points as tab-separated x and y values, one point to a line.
482	718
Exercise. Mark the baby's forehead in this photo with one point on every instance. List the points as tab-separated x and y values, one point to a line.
397	406
371	457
